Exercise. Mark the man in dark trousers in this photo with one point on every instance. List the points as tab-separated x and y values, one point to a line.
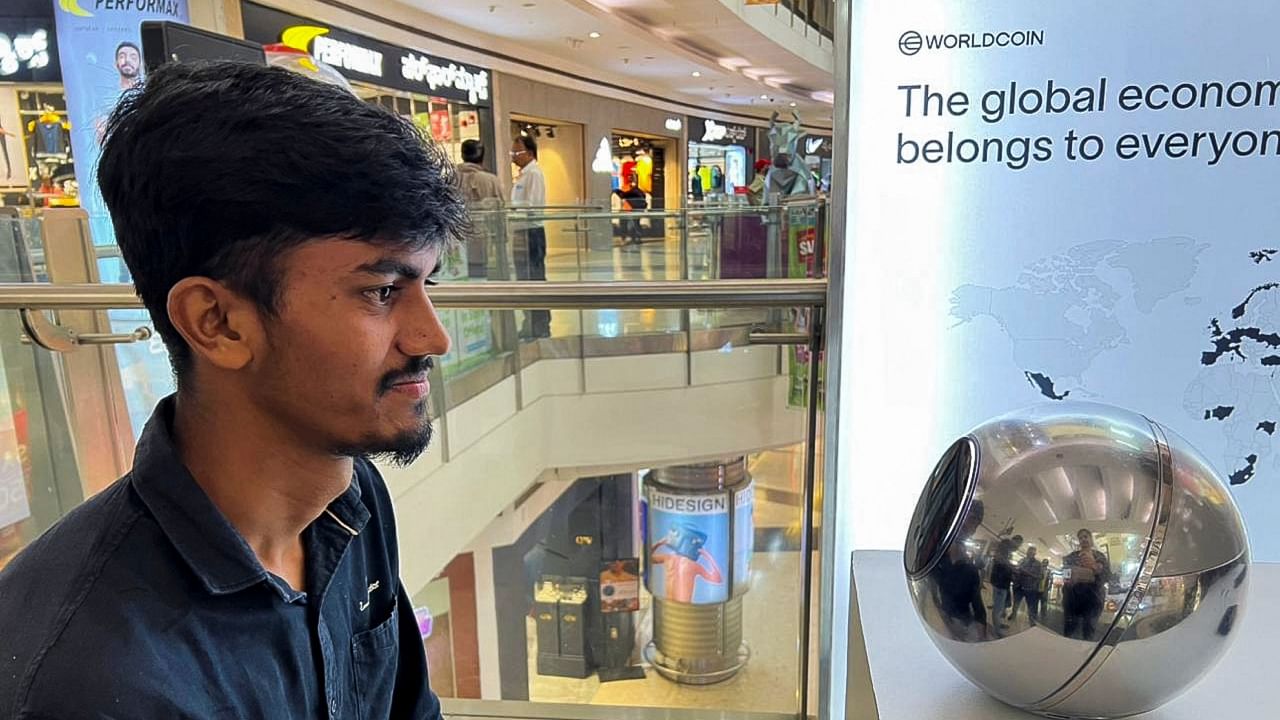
247	567
530	244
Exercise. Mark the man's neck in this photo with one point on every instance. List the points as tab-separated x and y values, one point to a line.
268	484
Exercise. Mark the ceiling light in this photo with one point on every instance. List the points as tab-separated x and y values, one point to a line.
526	6
793	104
697	74
764	97
593	34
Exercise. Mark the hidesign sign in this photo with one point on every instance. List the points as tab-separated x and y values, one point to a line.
363	58
706	130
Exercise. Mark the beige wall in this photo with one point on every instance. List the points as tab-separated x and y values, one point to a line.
599	118
561	160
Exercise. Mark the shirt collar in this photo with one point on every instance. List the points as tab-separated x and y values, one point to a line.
202	535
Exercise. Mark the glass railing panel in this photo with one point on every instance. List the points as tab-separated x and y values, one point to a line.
644	545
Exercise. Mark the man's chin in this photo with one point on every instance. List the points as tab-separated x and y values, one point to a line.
399	450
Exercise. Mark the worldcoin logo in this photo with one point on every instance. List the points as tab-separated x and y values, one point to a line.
910	42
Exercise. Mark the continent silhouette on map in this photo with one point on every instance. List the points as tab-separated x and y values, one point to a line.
1065	309
1239	372
1263	255
1044	384
1222	412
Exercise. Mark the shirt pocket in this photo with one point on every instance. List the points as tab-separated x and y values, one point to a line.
375	659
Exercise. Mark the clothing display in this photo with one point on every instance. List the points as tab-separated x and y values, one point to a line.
52	135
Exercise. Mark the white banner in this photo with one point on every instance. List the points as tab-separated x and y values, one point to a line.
1061	200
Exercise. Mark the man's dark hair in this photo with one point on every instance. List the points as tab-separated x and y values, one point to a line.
529	144
128	44
472	151
219	169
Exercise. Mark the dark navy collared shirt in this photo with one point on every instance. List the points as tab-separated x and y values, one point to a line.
144	602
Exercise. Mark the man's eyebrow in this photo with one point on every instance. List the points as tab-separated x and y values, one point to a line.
390	266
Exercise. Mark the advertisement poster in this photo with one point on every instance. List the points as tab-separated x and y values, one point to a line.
1038	212
468	125
802	235
744	536
14	504
620	586
441	126
100	52
688	547
13	152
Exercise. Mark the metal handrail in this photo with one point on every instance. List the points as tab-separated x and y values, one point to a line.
490	296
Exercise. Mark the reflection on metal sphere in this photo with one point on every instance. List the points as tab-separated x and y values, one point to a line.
1078	560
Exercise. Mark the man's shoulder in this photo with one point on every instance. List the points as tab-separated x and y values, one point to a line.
44	588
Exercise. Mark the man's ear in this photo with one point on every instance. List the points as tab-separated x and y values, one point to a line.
220	325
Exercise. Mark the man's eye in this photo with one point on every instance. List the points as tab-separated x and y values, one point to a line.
382	295
433	279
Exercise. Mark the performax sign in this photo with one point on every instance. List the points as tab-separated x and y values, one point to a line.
368	60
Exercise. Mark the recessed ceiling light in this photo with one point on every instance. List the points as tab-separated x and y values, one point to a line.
793	104
526	6
697	74
764	97
593	34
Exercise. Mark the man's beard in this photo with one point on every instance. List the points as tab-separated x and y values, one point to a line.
405	447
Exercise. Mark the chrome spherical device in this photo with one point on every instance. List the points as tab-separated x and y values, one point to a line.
1078	561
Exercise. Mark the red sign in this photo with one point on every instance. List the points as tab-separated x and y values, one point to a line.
441	126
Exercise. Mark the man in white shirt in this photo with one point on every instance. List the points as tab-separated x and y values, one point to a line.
530	244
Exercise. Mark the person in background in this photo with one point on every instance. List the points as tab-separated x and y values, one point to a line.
248	566
633	199
1026	586
530	190
1001	584
755	191
483	192
1087	572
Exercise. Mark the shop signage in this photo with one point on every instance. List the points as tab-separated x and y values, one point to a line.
365	59
347	56
28	51
815	146
674	124
706	130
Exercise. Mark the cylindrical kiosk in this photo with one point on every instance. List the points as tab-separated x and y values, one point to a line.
698	536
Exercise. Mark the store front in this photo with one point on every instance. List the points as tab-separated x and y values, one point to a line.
35	139
449	100
815	151
721	156
639	182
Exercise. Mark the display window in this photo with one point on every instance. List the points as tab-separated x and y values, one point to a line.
36	163
721	155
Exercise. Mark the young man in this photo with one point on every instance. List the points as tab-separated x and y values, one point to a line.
283	234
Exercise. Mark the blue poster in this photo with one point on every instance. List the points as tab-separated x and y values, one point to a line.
100	50
688	547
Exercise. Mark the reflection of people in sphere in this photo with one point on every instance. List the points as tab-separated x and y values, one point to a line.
128	64
682	556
